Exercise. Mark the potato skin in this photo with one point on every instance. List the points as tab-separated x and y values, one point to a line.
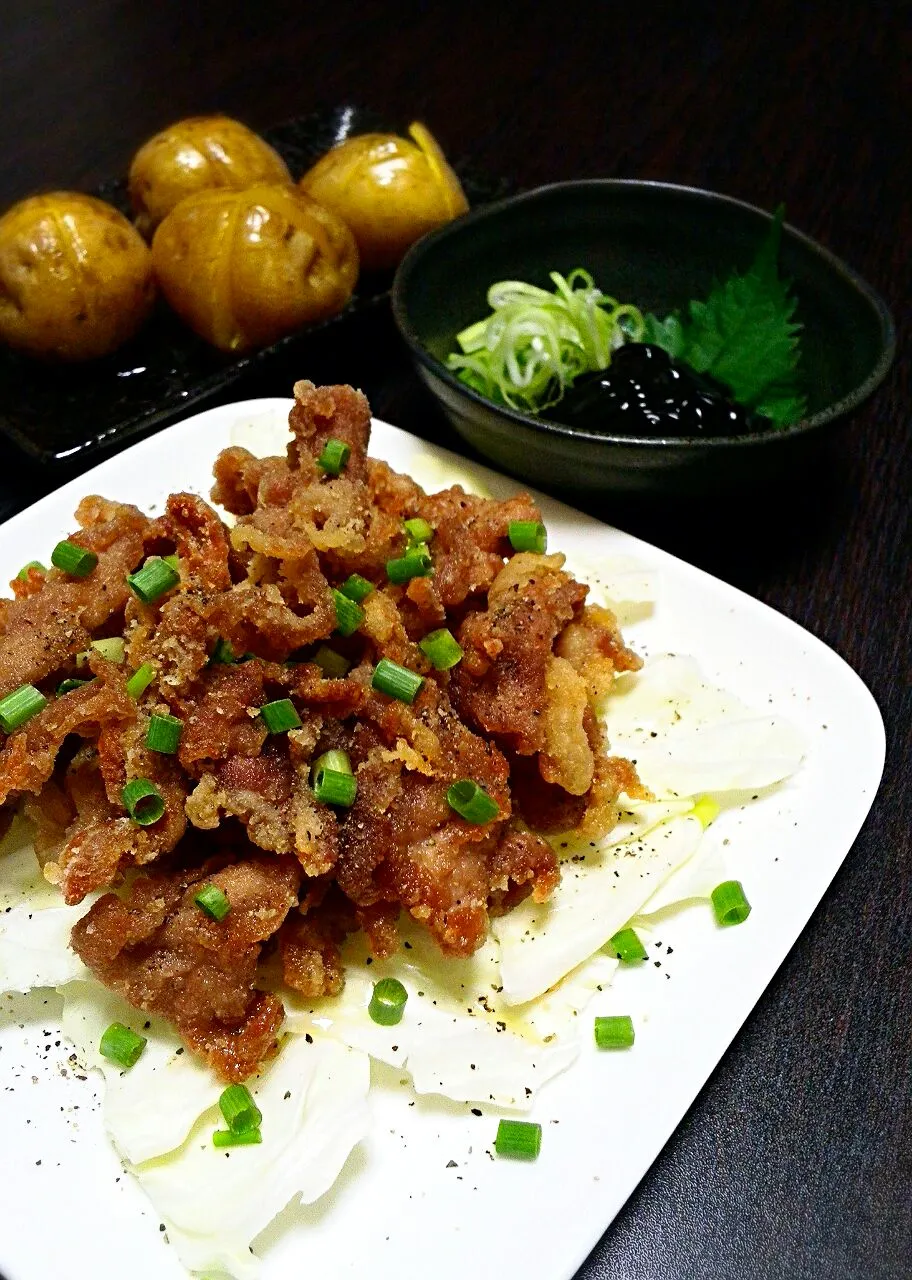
390	191
244	268
198	154
76	277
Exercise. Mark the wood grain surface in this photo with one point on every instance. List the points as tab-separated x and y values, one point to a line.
796	1159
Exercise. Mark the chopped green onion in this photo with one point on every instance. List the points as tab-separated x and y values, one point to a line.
518	1139
441	648
223	652
337	761
26	569
333	457
67	686
112	649
627	947
121	1045
333	787
239	1109
729	902
416	563
213	901
140	680
164	734
228	1138
418	530
528	535
75	561
349	615
471	802
19	706
280	716
615	1032
396	681
387	1002
332	664
143	801
705	810
537	342
153	580
356	587
173	562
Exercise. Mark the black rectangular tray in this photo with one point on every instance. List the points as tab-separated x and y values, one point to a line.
65	416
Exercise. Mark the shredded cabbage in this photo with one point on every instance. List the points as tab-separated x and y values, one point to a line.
533	345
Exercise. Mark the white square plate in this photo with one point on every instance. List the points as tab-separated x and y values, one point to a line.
423	1194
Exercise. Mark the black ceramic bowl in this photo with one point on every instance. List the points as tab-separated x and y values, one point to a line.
656	245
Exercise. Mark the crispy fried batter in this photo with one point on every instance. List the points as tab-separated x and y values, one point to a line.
516	715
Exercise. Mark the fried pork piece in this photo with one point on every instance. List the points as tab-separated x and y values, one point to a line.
403	843
44	630
164	955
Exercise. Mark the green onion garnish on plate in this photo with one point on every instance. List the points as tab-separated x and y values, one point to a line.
396	681
614	1032
280	716
528	535
333	456
239	1109
214	901
164	734
387	1002
155	579
729	903
122	1046
471	802
349	615
143	801
626	945
518	1139
441	648
19	706
74	560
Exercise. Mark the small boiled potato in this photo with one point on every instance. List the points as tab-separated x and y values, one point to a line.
244	268
388	189
76	277
197	154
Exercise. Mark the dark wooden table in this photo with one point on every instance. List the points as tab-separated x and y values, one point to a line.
796	1159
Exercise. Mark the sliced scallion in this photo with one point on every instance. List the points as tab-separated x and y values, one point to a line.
334	787
349	615
332	664
140	680
518	1139
155	579
74	560
333	456
164	734
615	1032
228	1138
121	1045
280	716
336	760
396	681
418	530
19	706
626	945
143	801
112	649
441	648
67	686
356	587
729	902
416	563
213	901
387	1002
528	535
239	1109
471	802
